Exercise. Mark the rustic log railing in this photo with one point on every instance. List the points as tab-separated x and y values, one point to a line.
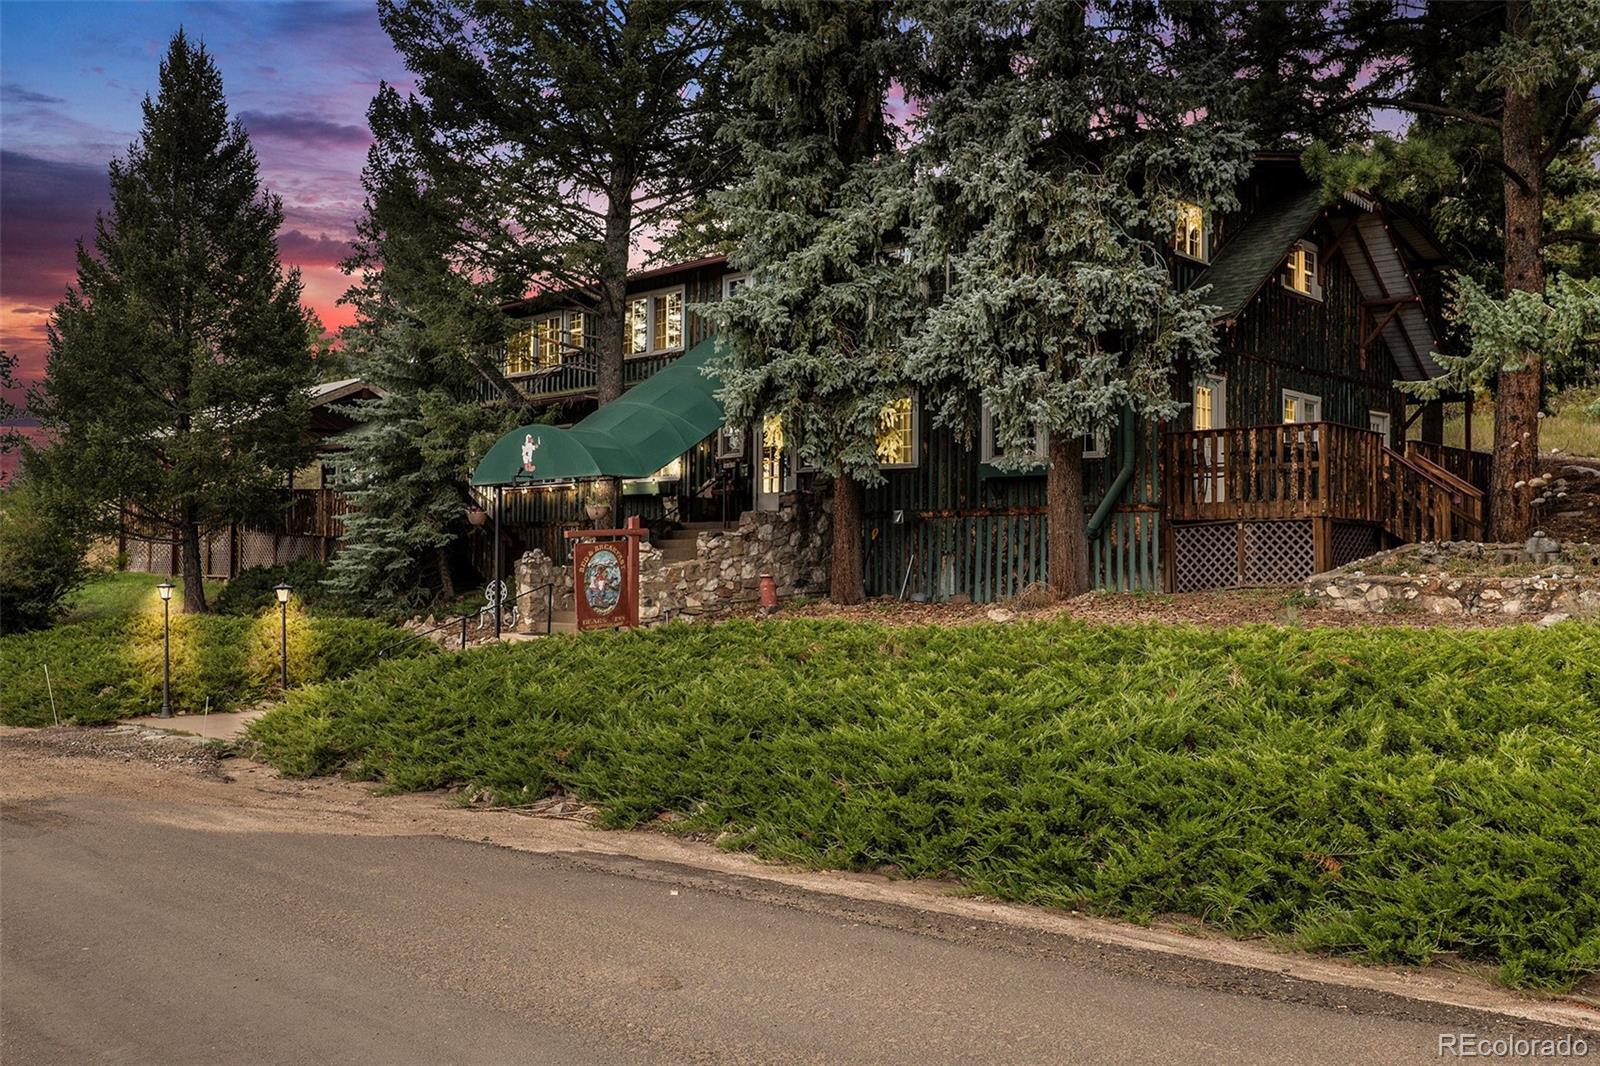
1470	466
1320	470
1296	470
315	513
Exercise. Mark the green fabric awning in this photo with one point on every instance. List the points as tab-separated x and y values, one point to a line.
632	436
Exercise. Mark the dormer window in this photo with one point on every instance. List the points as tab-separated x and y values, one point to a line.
1191	236
1300	271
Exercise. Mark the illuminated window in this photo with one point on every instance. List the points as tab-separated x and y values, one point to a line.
655	323
1210	403
668	316
1300	271
897	433
519	352
774	458
1301	407
577	323
1189	236
638	326
547	341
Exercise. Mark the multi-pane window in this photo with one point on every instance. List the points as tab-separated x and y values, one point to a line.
547	340
519	352
638	326
774	457
1210	403
668	317
1300	271
577	328
1189	236
993	449
897	433
1378	422
732	283
1301	407
655	323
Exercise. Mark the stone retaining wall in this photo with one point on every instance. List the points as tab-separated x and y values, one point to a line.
1459	578
790	543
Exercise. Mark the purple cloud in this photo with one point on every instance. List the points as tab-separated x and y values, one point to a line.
12	93
304	130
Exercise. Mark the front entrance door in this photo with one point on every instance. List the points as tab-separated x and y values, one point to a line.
774	464
1211	412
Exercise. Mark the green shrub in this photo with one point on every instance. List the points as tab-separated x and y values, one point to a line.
1391	792
253	590
110	668
42	557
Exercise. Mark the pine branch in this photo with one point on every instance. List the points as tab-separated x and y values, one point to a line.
1436	109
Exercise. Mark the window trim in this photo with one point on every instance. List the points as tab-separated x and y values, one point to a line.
1313	279
730	280
1283	402
1219	384
916	436
649	298
1387	431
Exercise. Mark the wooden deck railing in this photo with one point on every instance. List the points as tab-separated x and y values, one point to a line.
1319	470
315	513
1471	467
1299	470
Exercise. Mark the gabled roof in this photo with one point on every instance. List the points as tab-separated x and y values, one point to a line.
1383	272
345	388
1250	257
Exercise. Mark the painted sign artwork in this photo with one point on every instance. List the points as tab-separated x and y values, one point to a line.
605	573
602	581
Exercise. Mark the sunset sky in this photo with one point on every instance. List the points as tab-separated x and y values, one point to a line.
299	75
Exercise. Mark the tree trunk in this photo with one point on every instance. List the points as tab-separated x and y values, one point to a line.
447	587
846	574
194	588
1516	402
1067	535
612	319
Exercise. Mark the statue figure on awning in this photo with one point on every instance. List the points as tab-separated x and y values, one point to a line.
529	446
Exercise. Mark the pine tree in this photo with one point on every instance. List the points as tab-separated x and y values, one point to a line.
814	338
420	336
178	366
1055	142
1504	99
563	131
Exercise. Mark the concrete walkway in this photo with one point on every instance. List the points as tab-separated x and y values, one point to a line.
224	726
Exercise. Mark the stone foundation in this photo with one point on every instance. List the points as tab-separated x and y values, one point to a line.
1541	580
790	543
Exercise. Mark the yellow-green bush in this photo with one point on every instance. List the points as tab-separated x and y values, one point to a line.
110	668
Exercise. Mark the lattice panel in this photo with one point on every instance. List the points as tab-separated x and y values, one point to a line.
1352	542
256	548
1278	553
1207	557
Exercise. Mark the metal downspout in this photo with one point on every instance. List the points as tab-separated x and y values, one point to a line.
1097	521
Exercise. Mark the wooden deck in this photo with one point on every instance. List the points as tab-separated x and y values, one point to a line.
1328	474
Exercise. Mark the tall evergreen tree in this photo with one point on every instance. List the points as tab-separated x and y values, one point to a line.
1505	100
419	337
178	366
562	131
1056	140
814	339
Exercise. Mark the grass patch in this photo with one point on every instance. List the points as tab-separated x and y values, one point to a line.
124	593
1392	793
110	666
1572	426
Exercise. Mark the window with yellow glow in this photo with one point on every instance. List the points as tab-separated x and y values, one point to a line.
668	316
774	460
1189	237
897	433
519	352
576	321
638	326
1300	271
547	341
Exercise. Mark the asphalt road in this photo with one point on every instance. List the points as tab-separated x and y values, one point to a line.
131	937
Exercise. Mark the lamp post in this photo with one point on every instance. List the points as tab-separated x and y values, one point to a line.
283	634
165	588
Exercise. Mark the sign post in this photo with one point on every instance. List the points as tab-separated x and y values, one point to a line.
605	573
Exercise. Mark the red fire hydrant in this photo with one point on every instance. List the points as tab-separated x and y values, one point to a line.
769	591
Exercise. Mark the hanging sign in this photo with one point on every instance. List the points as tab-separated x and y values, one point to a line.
605	576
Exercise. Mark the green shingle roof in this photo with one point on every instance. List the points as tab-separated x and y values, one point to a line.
1249	257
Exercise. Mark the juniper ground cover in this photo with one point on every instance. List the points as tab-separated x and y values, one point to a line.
1394	793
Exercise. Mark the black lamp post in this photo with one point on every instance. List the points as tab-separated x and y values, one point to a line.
283	634
165	588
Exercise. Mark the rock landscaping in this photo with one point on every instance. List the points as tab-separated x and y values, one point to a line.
1542	579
